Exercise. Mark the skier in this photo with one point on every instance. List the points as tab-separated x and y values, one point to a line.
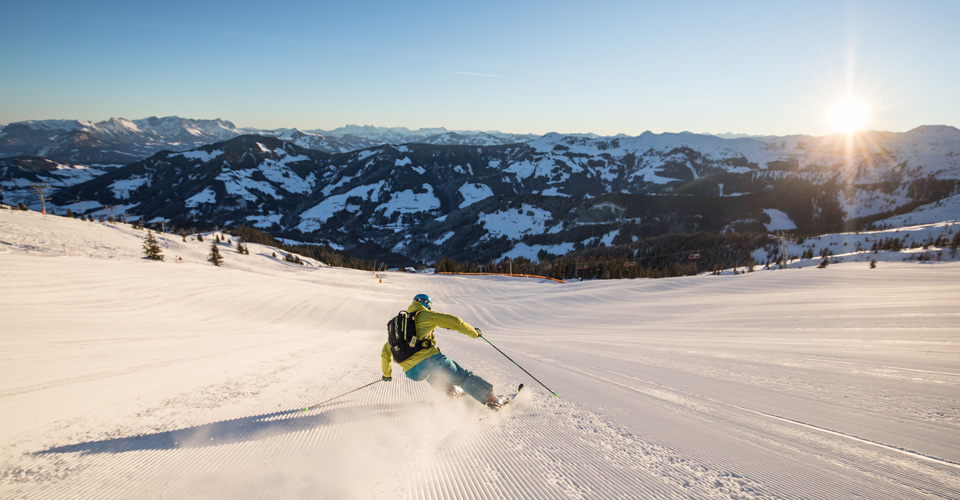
429	364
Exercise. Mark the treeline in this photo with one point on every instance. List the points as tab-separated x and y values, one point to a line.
322	253
655	257
897	244
518	265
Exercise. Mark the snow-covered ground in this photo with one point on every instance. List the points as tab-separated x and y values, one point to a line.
945	209
128	378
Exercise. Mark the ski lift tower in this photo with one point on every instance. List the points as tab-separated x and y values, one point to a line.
783	246
38	188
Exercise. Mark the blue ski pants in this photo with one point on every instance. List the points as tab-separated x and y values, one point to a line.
444	373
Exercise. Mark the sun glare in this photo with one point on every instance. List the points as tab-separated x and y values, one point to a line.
849	116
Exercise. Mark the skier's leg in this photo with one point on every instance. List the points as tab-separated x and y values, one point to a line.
422	370
434	371
477	388
443	373
471	384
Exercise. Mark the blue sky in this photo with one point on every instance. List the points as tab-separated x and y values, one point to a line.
521	66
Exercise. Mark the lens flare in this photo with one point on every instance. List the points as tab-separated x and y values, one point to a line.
850	115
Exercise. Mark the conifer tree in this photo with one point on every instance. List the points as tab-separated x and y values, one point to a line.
151	248
215	258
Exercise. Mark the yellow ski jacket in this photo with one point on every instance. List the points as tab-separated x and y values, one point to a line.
427	322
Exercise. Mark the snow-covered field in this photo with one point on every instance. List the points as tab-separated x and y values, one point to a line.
127	378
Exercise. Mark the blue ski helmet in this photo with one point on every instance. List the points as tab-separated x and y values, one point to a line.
424	299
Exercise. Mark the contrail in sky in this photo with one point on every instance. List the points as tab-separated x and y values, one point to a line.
468	73
703	101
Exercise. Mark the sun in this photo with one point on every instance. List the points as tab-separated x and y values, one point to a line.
849	115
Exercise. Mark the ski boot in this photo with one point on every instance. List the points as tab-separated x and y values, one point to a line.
494	402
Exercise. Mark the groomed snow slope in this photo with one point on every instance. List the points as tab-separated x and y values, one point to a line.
126	378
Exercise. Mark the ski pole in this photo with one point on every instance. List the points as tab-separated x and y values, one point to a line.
518	366
340	396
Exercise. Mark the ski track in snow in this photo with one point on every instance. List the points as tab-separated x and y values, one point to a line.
124	378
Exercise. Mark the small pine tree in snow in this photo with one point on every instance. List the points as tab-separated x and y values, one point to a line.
215	258
199	237
151	248
183	234
873	264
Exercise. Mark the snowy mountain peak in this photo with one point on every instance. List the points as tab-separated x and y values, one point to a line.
49	125
115	126
174	125
112	141
935	132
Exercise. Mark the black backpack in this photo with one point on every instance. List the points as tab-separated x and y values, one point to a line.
402	336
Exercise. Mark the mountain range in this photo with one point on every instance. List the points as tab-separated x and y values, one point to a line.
119	141
542	197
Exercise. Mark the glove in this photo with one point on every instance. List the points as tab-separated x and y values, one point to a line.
479	333
386	379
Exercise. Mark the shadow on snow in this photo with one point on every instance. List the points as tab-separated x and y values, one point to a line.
233	431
